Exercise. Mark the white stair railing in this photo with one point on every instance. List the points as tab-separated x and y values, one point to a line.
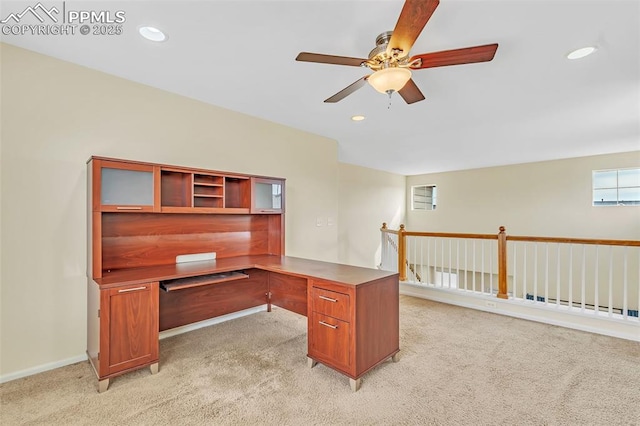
584	276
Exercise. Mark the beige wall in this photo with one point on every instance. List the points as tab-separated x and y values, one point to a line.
551	198
54	116
367	198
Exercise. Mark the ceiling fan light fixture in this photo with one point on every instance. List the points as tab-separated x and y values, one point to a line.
389	79
582	52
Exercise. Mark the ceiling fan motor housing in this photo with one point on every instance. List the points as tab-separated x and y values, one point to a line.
378	57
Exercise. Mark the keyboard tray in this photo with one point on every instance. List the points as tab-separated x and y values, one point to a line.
200	280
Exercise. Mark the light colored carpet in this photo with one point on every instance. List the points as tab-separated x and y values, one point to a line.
457	366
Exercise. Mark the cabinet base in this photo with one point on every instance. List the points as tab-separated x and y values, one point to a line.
355	384
103	384
311	362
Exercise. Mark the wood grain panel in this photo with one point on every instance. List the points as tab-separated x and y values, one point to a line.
288	292
117	224
141	251
187	306
377	323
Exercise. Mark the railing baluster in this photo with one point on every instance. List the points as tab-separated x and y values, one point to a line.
570	276
524	271
466	269
638	283
610	280
457	263
428	261
596	302
441	264
474	264
482	268
558	275
625	302
515	270
535	272
584	273
422	259
546	274
491	251
449	277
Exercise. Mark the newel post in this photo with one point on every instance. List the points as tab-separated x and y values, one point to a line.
502	264
402	262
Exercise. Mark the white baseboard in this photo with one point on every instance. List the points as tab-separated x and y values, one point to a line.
629	330
163	335
42	368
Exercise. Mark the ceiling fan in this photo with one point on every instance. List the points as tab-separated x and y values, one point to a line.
390	59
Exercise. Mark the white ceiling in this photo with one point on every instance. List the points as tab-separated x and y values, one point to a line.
529	104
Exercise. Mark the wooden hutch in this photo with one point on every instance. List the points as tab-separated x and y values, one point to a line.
170	246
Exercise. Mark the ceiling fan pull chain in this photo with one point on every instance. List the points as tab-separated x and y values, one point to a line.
389	92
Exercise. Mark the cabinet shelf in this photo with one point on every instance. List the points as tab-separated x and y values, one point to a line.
207	184
207	196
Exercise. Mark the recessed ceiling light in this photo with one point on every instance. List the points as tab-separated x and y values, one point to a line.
582	52
358	117
152	33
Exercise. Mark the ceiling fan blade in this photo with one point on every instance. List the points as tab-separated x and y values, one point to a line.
467	55
347	90
410	92
329	59
413	18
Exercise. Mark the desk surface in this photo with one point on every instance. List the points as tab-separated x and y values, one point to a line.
306	268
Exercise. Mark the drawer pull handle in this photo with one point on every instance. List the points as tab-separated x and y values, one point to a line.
328	325
128	208
328	299
125	290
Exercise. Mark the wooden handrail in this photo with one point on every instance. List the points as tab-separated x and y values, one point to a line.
502	239
387	230
629	243
451	235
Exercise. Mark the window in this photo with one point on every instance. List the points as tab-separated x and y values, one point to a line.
423	197
616	187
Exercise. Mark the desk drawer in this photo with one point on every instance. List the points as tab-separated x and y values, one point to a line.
330	303
329	339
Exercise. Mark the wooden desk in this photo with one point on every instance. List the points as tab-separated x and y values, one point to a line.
143	217
353	322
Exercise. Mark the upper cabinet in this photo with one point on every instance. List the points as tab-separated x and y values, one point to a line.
267	195
123	186
127	186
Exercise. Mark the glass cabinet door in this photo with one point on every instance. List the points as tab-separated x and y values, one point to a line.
125	187
267	196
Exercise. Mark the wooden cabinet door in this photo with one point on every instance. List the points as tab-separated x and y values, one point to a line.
129	316
329	340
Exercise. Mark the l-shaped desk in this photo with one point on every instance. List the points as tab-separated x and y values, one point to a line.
353	312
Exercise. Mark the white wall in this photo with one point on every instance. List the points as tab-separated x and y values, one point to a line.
55	115
550	198
367	198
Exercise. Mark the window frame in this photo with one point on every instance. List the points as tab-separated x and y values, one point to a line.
434	197
617	189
